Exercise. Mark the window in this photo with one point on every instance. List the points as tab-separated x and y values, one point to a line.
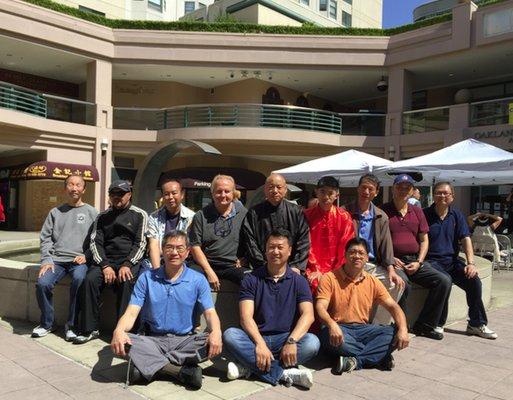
189	6
333	9
346	19
305	2
156	4
91	11
350	2
123	162
323	5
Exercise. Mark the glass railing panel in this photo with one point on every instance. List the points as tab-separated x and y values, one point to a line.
492	112
427	120
364	124
138	118
24	100
70	110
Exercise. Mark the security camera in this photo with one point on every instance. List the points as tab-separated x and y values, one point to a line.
232	75
382	85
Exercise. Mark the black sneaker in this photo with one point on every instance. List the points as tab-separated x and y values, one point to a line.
86	337
426	331
387	364
344	364
191	376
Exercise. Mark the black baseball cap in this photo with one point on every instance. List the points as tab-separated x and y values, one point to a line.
328	181
120	186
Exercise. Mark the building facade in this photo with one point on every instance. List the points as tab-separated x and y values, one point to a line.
138	104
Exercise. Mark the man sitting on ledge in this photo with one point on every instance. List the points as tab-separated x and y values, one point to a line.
345	298
275	312
168	296
447	229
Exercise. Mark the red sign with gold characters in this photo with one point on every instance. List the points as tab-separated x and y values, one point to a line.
54	170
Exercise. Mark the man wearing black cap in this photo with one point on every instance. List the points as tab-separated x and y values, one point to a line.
409	230
118	244
331	227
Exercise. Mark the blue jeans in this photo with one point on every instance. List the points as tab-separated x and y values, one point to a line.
242	349
44	291
471	286
368	343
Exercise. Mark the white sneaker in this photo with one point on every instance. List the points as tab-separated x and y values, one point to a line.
439	329
482	331
39	331
298	377
236	371
69	335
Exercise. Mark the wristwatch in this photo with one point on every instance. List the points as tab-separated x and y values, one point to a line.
291	340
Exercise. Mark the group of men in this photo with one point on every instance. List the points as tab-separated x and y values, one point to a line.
353	266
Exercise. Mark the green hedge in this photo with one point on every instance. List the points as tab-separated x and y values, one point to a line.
236	27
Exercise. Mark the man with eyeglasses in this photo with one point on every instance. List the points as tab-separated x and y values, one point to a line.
447	230
273	213
118	243
168	295
345	299
215	233
331	227
409	231
173	215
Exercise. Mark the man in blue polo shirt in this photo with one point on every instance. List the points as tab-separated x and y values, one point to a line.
447	229
275	312
168	295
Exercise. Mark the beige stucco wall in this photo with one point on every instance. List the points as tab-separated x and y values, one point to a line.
367	13
37	197
111	8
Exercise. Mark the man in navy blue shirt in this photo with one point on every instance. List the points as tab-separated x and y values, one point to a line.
447	229
169	295
276	312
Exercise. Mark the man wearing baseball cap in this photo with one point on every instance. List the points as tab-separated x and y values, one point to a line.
118	243
409	230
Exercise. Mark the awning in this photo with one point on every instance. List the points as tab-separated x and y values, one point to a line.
54	170
201	177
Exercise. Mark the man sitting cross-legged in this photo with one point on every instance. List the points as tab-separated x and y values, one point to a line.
345	298
168	295
275	312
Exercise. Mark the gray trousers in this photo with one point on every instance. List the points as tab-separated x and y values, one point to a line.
380	315
150	353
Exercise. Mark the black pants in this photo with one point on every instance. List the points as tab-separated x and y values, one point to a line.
471	286
439	285
90	296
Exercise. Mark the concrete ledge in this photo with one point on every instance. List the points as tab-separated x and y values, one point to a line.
18	297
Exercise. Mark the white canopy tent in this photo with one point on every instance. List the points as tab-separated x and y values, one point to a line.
466	163
347	167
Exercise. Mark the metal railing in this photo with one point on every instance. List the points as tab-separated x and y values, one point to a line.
426	120
491	112
21	99
249	115
45	105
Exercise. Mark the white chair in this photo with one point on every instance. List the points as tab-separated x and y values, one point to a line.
495	247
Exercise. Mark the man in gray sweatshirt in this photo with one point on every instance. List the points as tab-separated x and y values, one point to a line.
64	244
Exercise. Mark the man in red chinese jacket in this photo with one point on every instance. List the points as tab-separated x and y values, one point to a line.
331	228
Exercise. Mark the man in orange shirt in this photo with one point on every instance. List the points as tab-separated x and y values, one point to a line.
345	299
330	229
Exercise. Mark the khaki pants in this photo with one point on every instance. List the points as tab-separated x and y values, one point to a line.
379	315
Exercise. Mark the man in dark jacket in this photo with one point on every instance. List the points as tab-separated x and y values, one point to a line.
371	224
118	244
273	213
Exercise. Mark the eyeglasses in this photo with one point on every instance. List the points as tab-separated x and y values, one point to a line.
178	249
443	194
357	252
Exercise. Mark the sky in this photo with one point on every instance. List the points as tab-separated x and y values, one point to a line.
399	12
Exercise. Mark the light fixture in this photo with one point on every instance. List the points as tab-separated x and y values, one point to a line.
257	74
104	145
270	76
232	74
391	152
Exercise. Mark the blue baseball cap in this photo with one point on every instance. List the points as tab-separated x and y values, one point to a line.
404	178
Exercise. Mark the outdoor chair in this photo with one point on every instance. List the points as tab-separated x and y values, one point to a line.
497	248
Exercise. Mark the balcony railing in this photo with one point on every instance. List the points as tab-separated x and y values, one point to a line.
426	120
45	105
491	112
250	115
